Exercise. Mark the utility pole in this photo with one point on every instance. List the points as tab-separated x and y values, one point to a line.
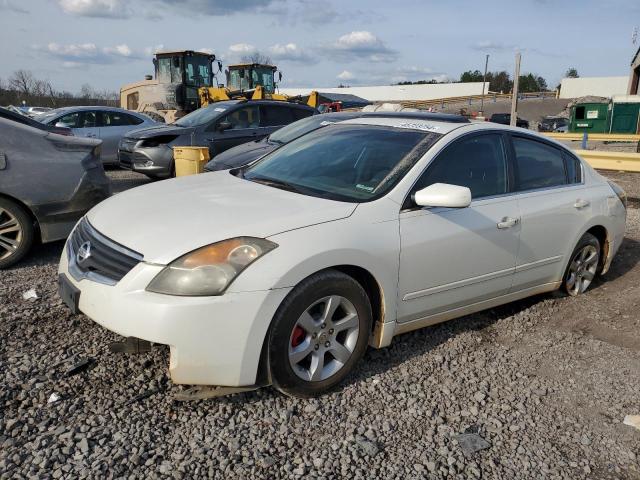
514	96
484	80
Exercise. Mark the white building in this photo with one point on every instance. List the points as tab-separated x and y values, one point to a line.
593	86
397	93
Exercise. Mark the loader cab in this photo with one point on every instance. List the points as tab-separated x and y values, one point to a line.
247	76
183	72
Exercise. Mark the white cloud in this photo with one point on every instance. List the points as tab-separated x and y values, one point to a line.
11	6
242	49
360	45
154	9
74	55
96	8
346	75
289	52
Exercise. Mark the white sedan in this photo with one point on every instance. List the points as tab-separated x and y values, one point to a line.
285	270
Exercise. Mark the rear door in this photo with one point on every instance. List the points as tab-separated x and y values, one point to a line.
554	205
273	117
453	257
113	126
245	127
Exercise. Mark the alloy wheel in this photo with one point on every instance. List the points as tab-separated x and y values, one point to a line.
324	338
11	233
582	270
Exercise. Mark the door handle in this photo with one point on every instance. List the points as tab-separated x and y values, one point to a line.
581	203
508	222
91	135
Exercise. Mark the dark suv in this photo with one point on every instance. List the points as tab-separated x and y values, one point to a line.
219	126
505	119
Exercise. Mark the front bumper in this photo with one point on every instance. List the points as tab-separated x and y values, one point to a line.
213	340
152	161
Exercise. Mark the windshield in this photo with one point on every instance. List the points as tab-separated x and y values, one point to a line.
201	116
198	71
353	163
299	128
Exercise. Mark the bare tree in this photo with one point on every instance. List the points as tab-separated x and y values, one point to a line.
257	57
23	81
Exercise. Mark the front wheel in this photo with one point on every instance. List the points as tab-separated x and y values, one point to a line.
583	265
318	334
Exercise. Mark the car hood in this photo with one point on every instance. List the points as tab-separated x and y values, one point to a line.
240	155
167	219
159	130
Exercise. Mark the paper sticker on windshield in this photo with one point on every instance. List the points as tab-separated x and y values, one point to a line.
219	109
324	123
419	126
364	187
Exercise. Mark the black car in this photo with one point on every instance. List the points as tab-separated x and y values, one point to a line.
24	120
219	126
505	119
248	152
47	182
554	124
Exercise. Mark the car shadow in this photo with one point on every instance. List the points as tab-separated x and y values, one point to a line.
40	254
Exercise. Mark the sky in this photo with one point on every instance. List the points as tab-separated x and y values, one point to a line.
318	43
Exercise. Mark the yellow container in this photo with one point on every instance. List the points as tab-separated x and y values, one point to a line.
190	160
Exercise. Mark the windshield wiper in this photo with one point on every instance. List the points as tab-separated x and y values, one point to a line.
277	184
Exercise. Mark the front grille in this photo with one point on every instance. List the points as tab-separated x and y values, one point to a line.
101	259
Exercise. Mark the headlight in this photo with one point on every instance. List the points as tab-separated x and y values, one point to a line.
211	269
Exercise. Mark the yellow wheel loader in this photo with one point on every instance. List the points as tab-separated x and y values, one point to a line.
186	80
174	91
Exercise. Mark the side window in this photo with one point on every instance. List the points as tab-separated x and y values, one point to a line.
88	119
133	120
115	119
133	101
478	162
538	165
300	113
70	120
275	116
247	117
574	171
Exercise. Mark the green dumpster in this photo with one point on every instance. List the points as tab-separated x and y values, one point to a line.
590	117
624	114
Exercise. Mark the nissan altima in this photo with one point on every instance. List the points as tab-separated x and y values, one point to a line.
284	271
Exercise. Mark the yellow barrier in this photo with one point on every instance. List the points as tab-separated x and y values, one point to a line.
190	160
620	161
602	137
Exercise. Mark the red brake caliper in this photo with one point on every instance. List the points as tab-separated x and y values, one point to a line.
298	336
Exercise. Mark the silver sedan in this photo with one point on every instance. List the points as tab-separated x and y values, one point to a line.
106	123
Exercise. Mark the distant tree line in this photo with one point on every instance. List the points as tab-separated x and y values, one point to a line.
23	86
501	81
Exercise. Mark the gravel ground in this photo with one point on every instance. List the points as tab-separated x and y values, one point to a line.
546	382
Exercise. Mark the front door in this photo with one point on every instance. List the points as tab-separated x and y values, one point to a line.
452	257
245	126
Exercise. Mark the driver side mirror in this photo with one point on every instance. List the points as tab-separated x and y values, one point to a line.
226	125
443	195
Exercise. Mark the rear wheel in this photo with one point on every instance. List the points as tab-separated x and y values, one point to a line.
583	265
16	232
318	334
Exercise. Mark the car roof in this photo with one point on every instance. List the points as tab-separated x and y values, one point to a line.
83	108
408	121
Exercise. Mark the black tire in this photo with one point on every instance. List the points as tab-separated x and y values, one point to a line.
24	239
302	297
583	270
